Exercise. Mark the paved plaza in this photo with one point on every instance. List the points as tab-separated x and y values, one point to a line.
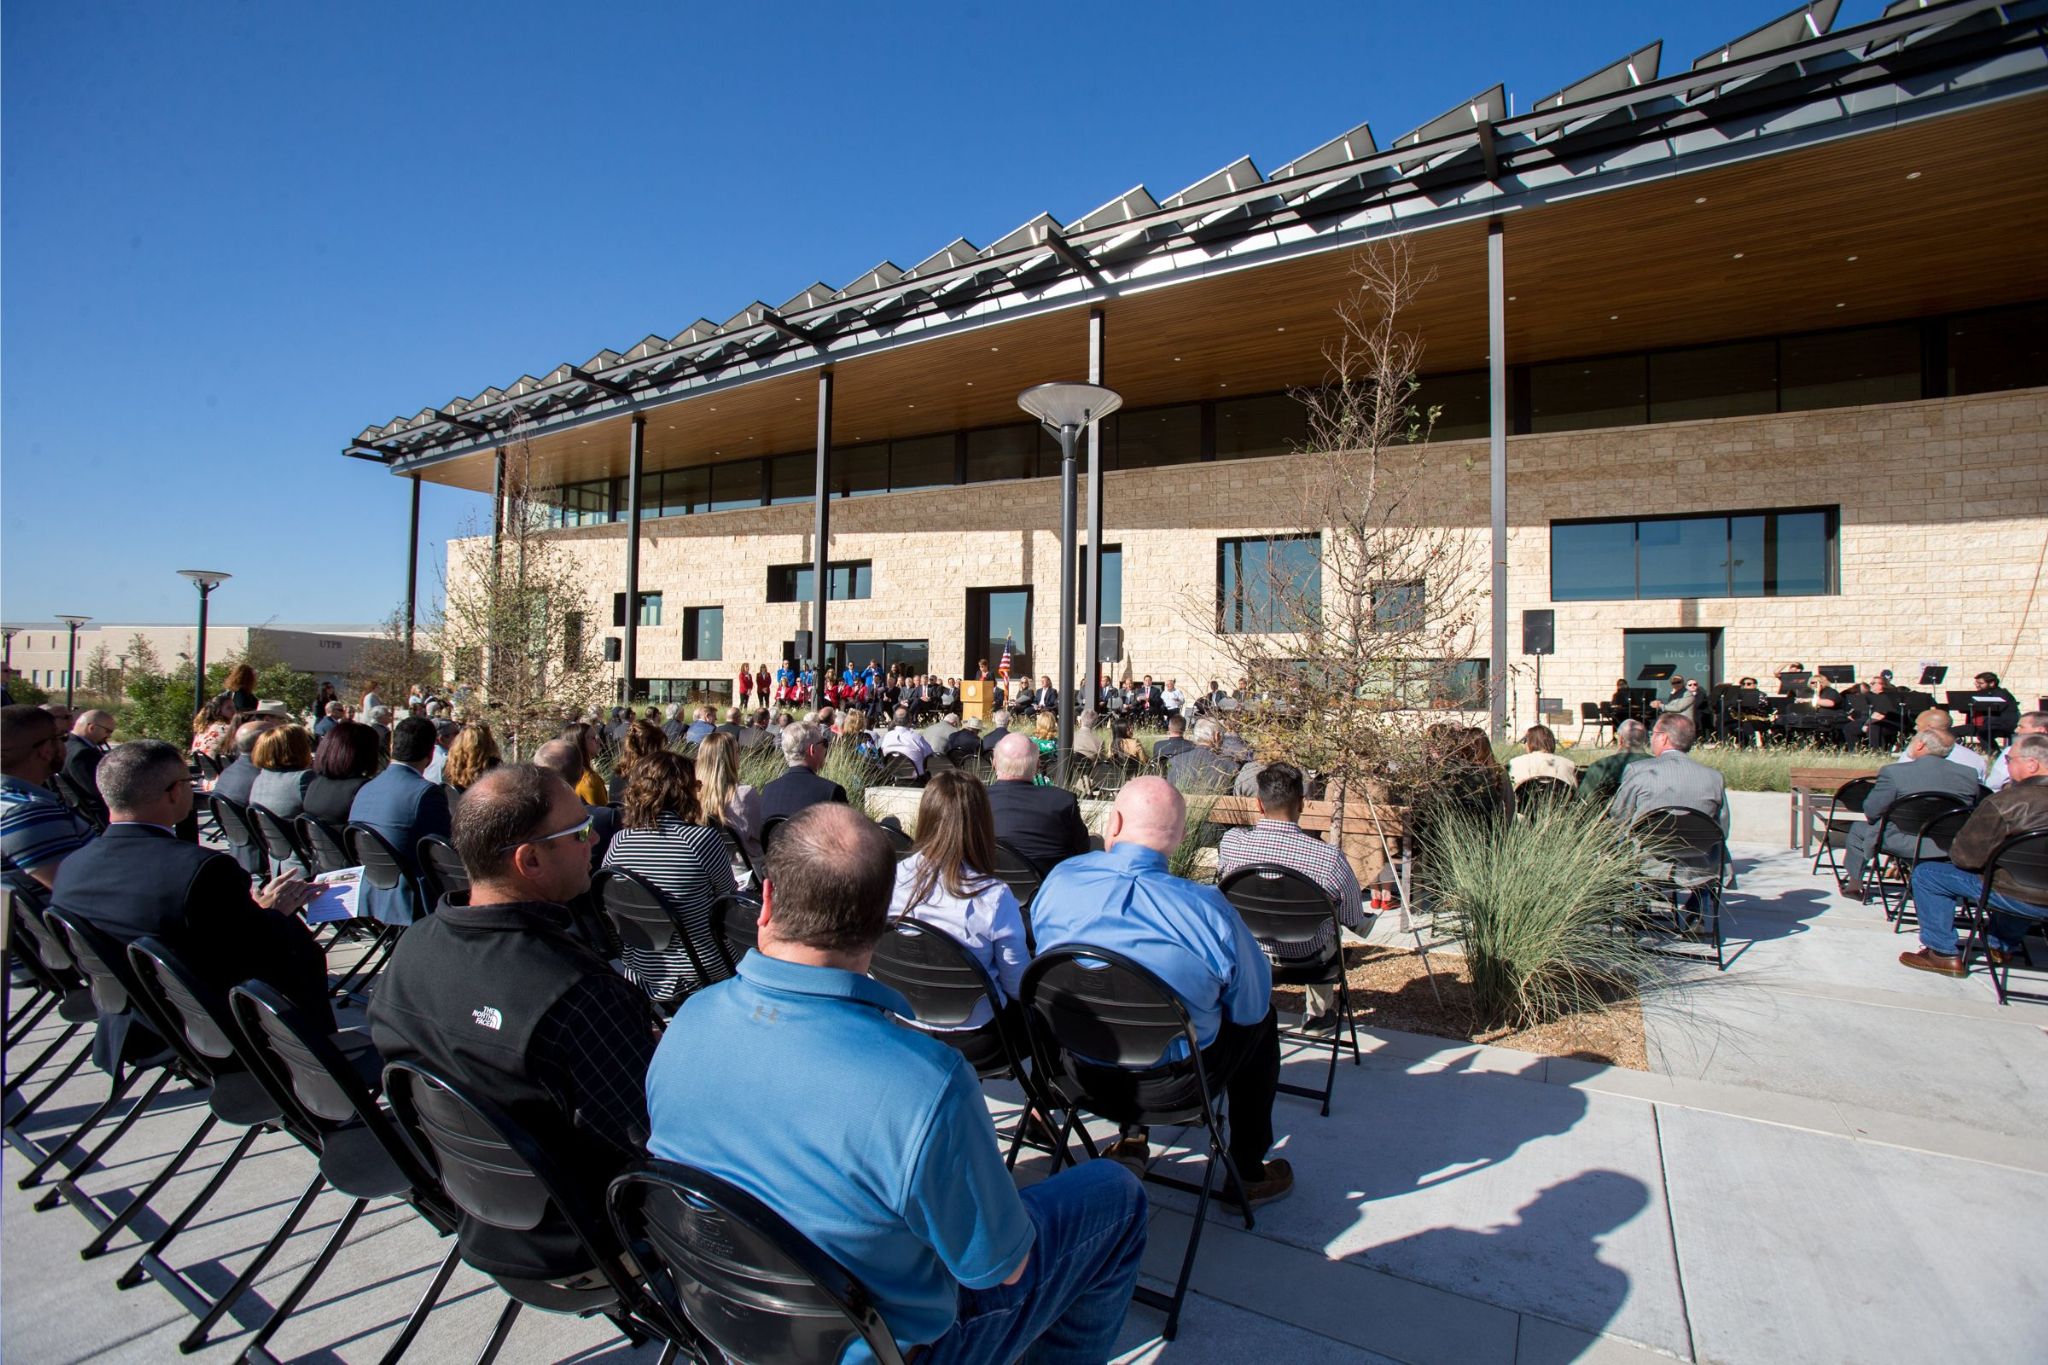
1833	1159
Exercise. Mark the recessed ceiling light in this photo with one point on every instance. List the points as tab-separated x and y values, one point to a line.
1614	317
995	348
1852	258
1738	255
1176	360
1222	385
913	405
1512	298
1841	305
1279	329
1912	175
1701	200
714	407
970	383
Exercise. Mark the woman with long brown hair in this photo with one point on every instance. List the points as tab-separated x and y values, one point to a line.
474	753
241	687
663	838
947	882
642	738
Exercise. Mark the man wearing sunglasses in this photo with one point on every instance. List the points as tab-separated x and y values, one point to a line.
501	997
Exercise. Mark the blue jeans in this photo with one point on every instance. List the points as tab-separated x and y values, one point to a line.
1068	1307
1938	888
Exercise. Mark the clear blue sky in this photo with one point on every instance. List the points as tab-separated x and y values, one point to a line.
233	235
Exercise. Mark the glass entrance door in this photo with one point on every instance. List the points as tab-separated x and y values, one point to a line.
1695	654
993	616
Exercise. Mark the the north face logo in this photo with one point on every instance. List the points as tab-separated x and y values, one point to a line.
488	1017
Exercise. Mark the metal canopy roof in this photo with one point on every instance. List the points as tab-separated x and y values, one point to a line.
1612	127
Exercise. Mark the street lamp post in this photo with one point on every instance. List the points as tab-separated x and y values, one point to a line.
206	580
1065	410
71	655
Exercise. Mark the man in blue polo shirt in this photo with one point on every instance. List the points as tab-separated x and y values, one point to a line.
873	1139
1125	900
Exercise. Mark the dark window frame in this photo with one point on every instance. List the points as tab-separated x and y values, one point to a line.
693	628
1259	625
1832	568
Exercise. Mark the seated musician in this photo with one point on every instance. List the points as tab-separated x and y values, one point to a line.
1884	712
1749	711
1621	699
1994	712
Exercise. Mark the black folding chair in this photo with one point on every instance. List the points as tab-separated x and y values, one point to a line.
1537	794
1594	714
280	838
383	869
769	829
738	1275
361	1152
241	833
497	1173
209	767
642	917
945	984
1834	830
1909	816
84	804
59	989
898	771
1281	906
325	844
735	928
1691	892
1097	1010
442	873
2023	858
743	874
901	844
1932	846
1023	877
194	1019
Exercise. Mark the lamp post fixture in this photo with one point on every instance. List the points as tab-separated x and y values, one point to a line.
206	580
71	655
1065	411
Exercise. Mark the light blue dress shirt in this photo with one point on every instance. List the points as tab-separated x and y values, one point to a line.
1185	933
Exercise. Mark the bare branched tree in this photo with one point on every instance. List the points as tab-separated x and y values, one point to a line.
387	666
1354	631
518	622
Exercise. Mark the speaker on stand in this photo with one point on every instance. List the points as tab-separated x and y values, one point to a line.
1539	637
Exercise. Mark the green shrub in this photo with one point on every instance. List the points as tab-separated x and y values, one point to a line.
761	765
851	769
1186	858
1533	901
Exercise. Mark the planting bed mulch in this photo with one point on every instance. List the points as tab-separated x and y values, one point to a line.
1389	990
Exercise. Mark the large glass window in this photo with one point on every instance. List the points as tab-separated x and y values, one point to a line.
1398	606
1159	436
1744	554
1842	369
998	619
735	485
1578	394
1268	585
704	632
860	471
847	581
792	478
926	462
1464	407
1002	453
1714	381
1112	584
1247	428
650	609
2006	349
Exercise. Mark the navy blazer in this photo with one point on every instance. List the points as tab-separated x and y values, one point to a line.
798	789
138	881
1042	823
405	808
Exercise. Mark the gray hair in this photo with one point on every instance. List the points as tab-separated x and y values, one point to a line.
2030	746
1678	732
952	718
1935	743
1088	718
1631	734
251	731
800	739
134	774
381	714
1000	720
1208	733
336	710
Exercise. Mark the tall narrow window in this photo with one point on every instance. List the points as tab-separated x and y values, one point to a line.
704	632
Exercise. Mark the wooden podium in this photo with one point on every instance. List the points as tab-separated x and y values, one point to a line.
977	699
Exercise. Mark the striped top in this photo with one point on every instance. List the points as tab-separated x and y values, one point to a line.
689	865
36	829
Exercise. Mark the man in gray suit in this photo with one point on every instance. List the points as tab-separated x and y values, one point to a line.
1924	769
1670	777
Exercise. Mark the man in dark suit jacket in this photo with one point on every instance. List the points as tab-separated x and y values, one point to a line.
998	730
140	880
83	749
805	746
400	804
1924	769
1176	741
1042	823
1046	697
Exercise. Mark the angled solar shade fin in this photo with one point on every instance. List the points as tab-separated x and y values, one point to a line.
1347	147
649	346
1638	68
957	252
1808	21
745	320
1135	202
1240	174
1486	107
1023	237
816	296
703	329
881	277
603	360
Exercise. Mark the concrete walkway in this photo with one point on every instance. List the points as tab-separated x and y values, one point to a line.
1838	1159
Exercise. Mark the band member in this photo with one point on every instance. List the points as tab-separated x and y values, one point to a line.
1749	711
1883	713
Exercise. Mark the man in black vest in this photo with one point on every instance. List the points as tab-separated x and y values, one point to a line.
501	998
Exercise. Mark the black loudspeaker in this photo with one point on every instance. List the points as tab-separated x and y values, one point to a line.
803	647
1539	632
613	650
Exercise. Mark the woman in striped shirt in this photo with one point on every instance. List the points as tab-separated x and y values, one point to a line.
664	839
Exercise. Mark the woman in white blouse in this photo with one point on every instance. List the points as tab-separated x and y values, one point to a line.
945	882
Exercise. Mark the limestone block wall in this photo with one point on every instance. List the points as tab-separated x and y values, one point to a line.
1944	522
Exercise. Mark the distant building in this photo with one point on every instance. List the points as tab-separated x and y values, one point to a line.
38	650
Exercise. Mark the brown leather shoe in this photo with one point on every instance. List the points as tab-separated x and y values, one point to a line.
1852	891
1999	957
1276	1182
1926	960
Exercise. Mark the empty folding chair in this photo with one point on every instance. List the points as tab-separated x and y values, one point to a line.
1281	906
735	1273
59	990
1538	794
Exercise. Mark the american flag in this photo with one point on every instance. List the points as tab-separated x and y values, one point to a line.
1003	668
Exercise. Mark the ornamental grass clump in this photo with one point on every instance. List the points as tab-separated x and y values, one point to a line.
762	764
851	769
1534	902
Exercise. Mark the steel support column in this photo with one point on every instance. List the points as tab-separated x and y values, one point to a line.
1069	438
1091	658
630	650
821	529
412	573
497	499
1497	389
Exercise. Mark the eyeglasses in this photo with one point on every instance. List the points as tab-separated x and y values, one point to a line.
580	833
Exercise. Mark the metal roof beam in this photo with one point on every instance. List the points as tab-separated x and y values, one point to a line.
615	389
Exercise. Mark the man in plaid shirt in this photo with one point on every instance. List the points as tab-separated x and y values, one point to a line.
1278	839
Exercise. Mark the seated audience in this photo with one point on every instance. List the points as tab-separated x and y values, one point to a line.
380	721
1173	699
854	732
564	758
1921	772
140	880
1602	777
1203	768
1279	839
402	806
1176	741
213	729
663	837
734	724
332	714
37	831
242	687
83	749
1670	777
238	778
941	731
998	727
726	801
502	998
1940	887
1045	732
474	753
446	732
1042	822
2031	723
1542	759
804	748
1937	720
873	1140
1088	733
702	722
284	767
964	744
674	727
345	759
899	738
1123	899
589	742
641	740
1124	742
947	882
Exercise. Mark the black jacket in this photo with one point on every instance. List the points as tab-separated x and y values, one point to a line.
1042	823
328	799
798	789
81	765
139	881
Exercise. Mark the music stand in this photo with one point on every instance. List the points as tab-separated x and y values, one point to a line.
1838	673
1793	681
1656	672
1932	675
